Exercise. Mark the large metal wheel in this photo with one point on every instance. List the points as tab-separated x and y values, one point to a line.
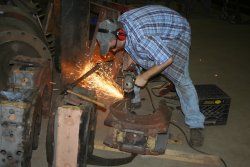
13	43
21	34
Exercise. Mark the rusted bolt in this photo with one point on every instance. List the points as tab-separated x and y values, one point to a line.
19	153
9	157
3	152
11	111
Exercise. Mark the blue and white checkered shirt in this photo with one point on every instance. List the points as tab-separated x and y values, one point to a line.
154	34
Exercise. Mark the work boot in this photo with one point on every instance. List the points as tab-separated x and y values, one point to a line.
196	137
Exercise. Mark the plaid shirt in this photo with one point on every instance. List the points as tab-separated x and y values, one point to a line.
154	34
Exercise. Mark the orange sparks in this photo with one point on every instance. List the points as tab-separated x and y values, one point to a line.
101	82
107	90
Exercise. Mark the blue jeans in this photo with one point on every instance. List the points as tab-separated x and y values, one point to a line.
189	101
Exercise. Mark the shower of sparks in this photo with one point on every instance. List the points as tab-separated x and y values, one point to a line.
100	81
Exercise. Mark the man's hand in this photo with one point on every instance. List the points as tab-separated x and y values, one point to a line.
140	81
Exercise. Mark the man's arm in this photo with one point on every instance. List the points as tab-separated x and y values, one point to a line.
141	80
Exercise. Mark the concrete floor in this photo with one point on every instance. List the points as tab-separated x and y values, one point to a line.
220	55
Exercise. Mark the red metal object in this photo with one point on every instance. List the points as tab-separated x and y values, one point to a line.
142	134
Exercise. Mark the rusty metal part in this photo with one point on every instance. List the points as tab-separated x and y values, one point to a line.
86	155
21	115
25	70
38	77
24	18
17	136
142	134
27	6
13	18
13	43
21	38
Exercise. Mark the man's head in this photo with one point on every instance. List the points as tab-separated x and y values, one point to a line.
109	31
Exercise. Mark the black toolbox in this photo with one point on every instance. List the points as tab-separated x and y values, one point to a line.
214	103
